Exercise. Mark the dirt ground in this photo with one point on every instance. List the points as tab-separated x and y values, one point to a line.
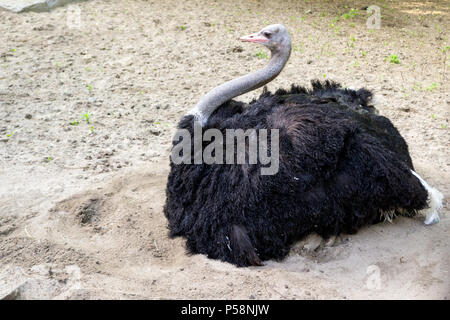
88	108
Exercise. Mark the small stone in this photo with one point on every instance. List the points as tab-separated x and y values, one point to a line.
28	116
238	49
252	297
312	242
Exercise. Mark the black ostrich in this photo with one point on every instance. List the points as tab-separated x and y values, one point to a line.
341	166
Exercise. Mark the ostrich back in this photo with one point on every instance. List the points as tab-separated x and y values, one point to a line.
341	167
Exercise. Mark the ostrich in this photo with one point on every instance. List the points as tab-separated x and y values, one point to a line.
341	166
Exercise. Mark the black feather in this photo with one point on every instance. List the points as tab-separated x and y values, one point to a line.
341	165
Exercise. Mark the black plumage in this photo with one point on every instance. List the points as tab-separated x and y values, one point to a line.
341	167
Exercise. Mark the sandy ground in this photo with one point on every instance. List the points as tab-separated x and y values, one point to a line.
81	203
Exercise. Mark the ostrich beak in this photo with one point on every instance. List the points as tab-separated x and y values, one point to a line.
254	37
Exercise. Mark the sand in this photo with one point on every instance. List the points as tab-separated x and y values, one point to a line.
90	96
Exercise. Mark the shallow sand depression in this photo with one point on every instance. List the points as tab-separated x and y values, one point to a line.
90	96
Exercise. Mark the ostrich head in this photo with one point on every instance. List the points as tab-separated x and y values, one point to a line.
275	37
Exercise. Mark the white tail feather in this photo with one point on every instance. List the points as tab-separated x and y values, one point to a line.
434	202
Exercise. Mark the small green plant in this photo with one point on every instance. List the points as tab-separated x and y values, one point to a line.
74	123
363	53
431	87
91	129
393	59
13	50
86	117
261	55
9	135
48	159
443	126
416	87
433	116
350	14
87	69
298	48
182	28
89	87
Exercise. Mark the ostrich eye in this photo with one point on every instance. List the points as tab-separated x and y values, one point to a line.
267	34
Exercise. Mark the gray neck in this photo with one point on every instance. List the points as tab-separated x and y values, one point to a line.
233	88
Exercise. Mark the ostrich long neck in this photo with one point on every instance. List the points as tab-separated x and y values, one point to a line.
233	88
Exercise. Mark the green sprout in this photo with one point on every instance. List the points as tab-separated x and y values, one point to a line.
86	117
431	87
261	55
393	59
74	123
350	14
